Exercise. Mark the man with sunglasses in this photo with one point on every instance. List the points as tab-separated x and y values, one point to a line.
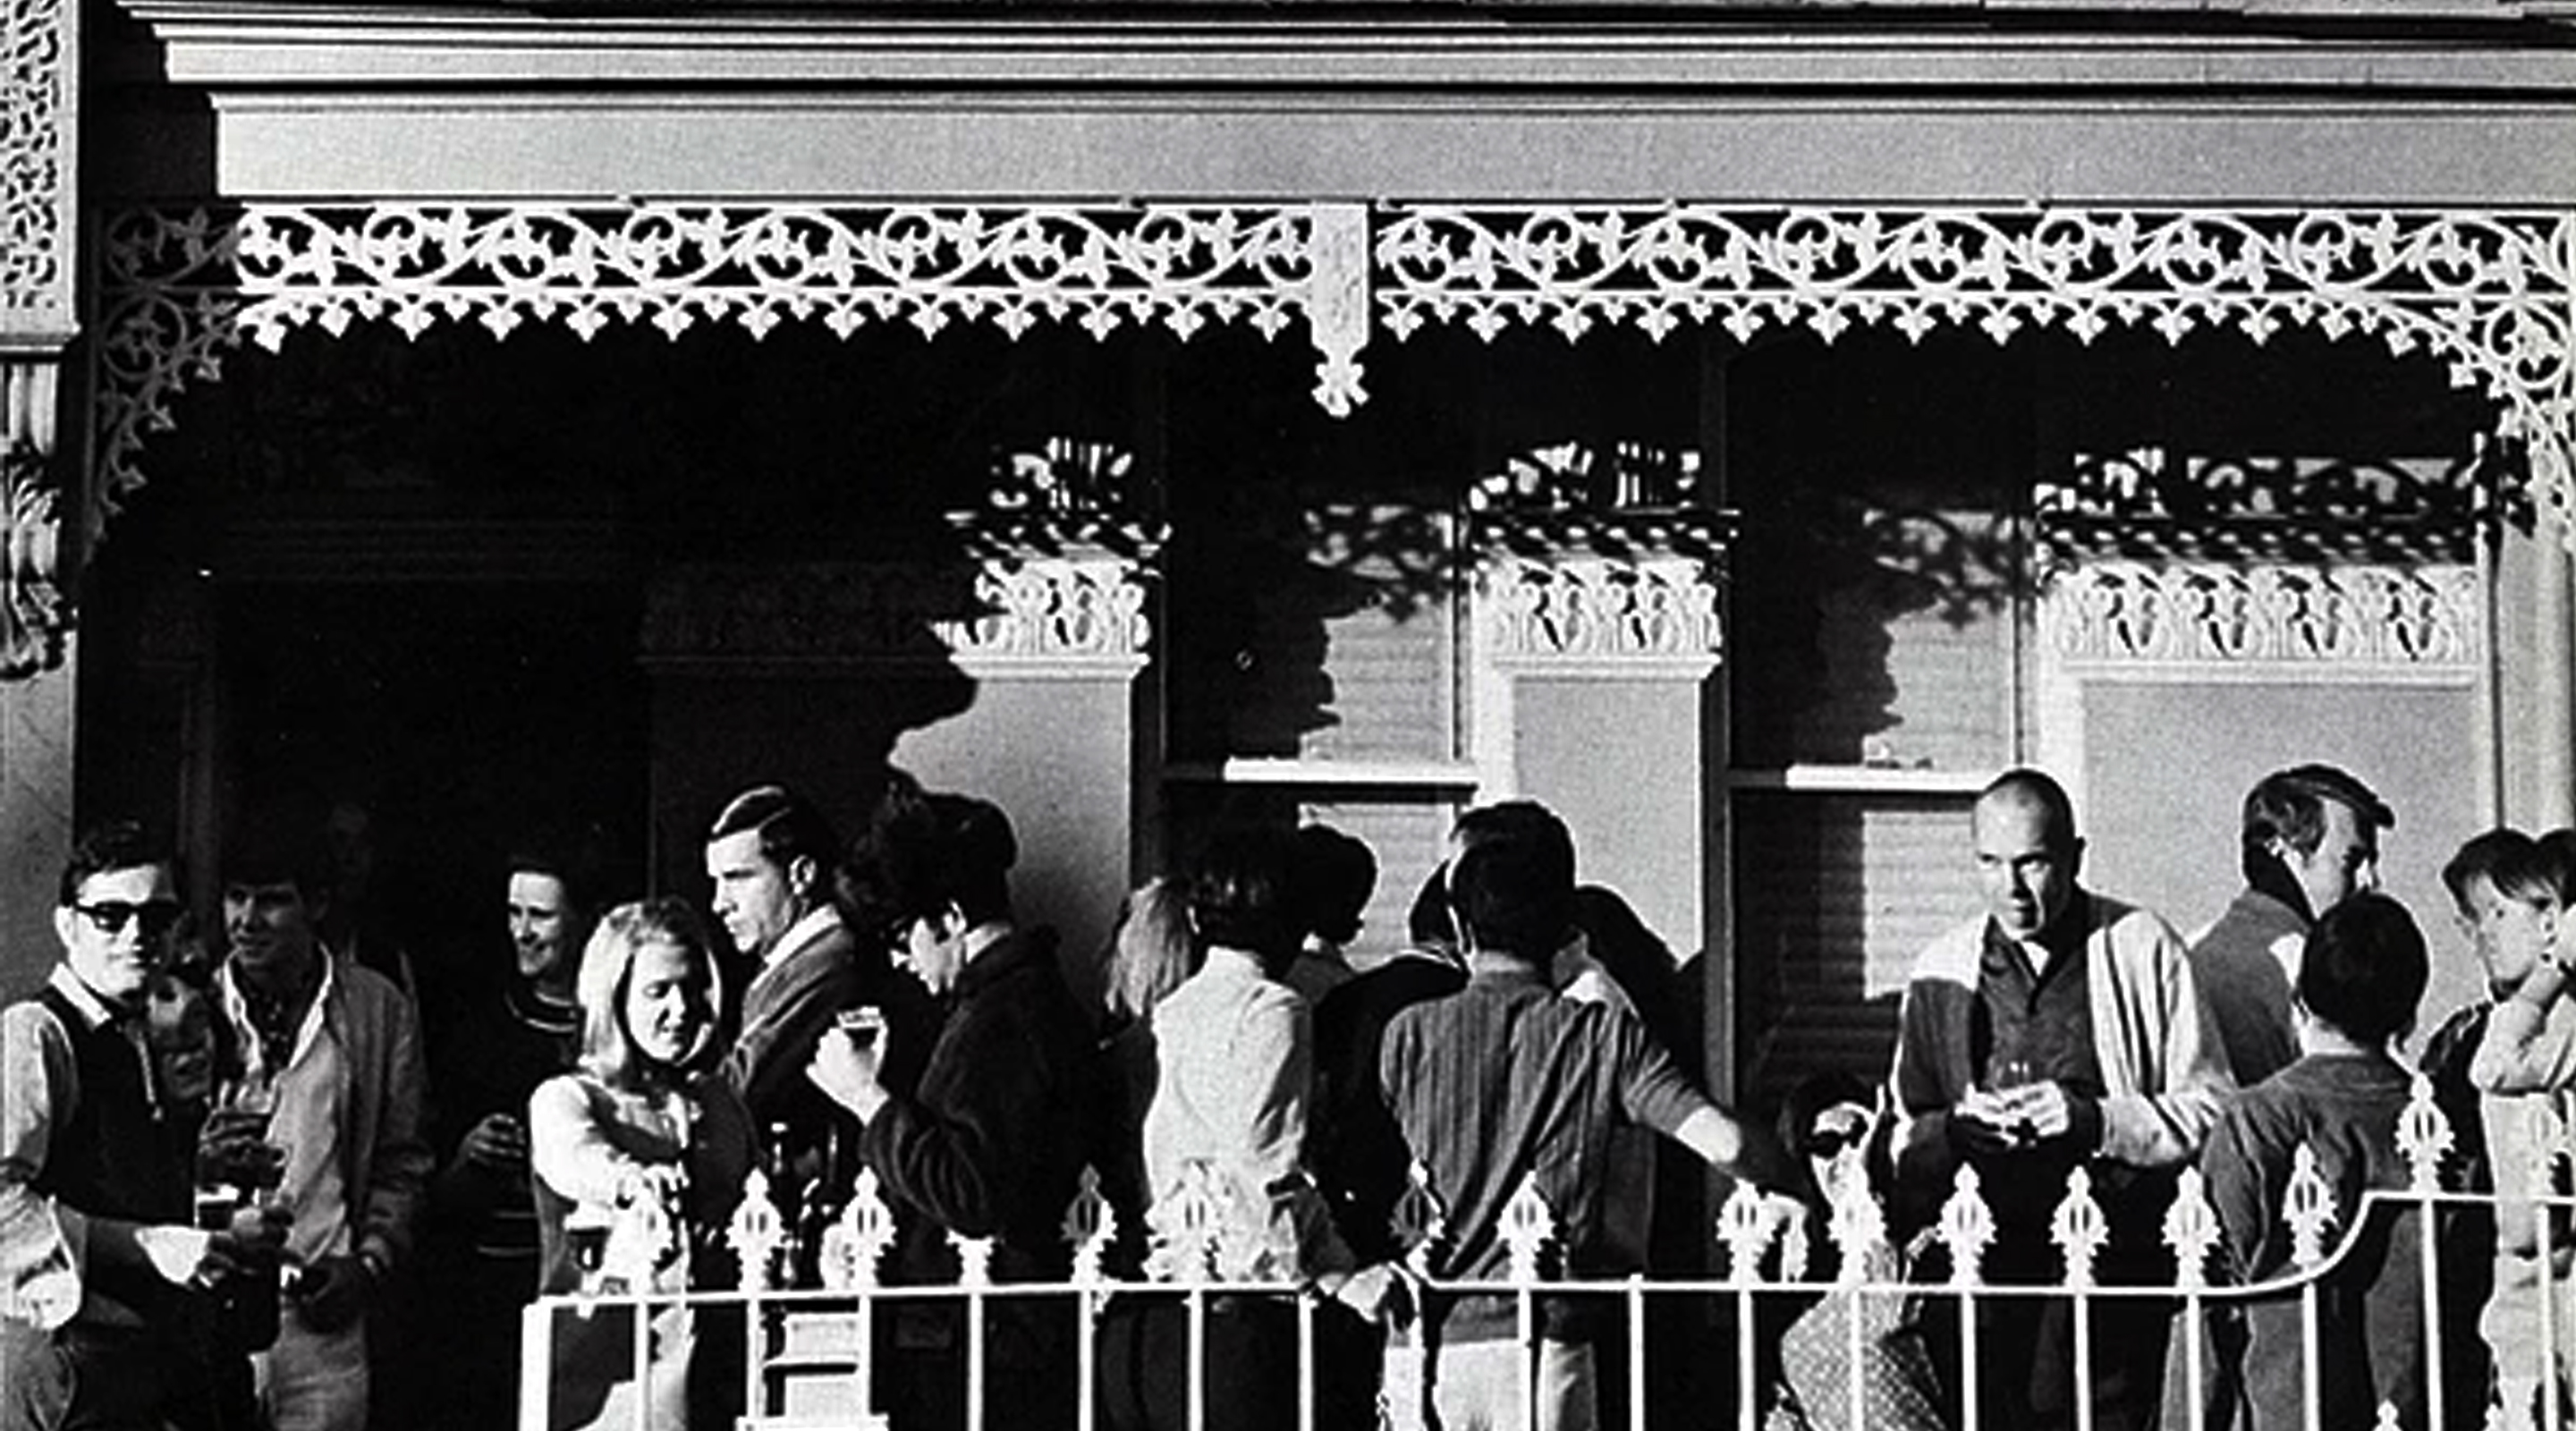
100	1267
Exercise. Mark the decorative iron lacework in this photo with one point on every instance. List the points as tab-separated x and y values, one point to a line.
1590	608
186	288
1072	613
35	166
2493	294
2125	612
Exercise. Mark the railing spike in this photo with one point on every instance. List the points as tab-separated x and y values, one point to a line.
2423	1135
2079	1229
758	1235
1967	1228
2308	1207
1528	1227
2191	1230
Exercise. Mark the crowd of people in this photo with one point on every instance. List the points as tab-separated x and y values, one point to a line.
240	1187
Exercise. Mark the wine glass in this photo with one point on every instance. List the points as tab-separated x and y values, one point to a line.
248	1104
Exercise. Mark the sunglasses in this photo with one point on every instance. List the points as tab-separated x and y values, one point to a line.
111	916
1829	1142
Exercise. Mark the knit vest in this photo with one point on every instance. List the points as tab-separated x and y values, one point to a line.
111	1156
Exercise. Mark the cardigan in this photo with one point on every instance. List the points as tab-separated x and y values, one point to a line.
2164	1070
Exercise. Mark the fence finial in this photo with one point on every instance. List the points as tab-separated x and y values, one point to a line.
1744	1225
1421	1219
1859	1228
2423	1135
854	1246
2079	1229
974	1259
2544	1140
2308	1207
1091	1225
758	1235
1967	1227
2191	1230
1528	1226
1187	1223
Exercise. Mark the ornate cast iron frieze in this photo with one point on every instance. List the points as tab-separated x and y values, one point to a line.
1049	615
2425	618
38	96
1619	613
185	289
2491	294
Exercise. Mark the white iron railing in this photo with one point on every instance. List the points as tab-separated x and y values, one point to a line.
809	1354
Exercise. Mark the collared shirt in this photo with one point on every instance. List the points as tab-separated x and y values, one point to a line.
311	1081
1505	1082
1236	1055
808	927
2039	1015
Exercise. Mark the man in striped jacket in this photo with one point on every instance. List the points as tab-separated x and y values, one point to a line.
2059	1029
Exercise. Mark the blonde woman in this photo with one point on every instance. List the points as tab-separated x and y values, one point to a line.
639	1155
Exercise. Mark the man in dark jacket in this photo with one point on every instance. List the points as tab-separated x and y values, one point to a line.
770	855
992	1142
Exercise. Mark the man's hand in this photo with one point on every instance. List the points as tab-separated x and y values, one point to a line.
498	1144
255	1237
846	1070
233	1147
333	1292
1379	1292
2010	1120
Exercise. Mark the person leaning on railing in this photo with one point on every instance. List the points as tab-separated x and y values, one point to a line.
2525	1063
1504	1084
643	1146
1224	1133
2061	1029
2362	972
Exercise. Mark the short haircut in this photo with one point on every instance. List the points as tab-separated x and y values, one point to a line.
2556	852
2497	856
2024	785
1241	894
2363	970
924	855
1513	819
277	844
112	845
576	859
789	825
1514	891
608	1048
2290	805
1333	876
1428	923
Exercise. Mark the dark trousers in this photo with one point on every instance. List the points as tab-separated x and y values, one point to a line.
81	1378
1249	1364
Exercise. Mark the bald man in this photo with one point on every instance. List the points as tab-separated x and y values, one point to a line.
2058	1029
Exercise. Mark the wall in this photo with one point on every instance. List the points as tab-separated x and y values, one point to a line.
2168	766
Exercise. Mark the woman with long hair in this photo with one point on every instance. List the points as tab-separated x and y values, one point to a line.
639	1155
